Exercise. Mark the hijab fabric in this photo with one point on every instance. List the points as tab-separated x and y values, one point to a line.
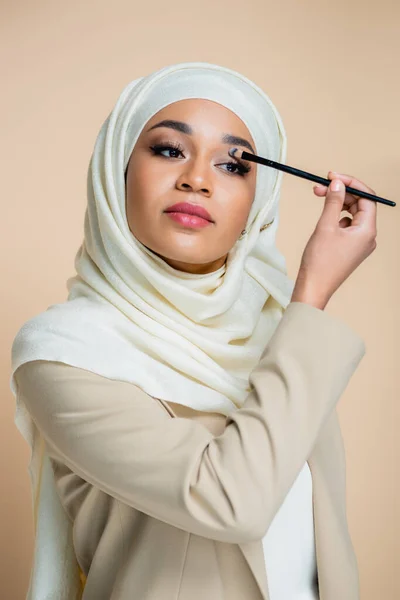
129	316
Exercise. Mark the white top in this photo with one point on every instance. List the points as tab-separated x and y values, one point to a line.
289	545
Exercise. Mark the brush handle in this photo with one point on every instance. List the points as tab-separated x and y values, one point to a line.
311	177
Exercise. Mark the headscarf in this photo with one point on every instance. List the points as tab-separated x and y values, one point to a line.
188	338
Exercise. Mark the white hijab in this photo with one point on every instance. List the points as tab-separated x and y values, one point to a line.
129	316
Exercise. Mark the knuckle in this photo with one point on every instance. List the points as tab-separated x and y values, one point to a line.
370	239
335	197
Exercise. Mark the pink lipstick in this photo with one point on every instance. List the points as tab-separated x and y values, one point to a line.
190	215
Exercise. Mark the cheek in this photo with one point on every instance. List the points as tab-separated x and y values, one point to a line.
143	190
239	206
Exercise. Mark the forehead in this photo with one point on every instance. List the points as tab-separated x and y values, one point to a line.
204	116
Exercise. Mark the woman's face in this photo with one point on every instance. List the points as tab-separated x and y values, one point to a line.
196	170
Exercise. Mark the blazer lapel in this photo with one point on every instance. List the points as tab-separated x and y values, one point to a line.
336	562
337	569
254	554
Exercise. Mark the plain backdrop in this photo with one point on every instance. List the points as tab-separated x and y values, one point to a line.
332	70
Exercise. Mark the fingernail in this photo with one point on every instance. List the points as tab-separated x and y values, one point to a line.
336	185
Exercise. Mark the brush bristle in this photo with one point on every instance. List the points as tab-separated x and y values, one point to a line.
232	152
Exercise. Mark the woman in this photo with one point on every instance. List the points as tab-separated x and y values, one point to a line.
179	401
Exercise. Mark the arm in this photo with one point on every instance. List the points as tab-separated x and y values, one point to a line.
226	487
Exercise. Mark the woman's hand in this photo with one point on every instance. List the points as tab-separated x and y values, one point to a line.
338	245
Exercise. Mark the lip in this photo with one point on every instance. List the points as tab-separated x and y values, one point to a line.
188	220
190	209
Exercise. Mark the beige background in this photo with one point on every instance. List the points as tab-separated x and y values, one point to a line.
332	71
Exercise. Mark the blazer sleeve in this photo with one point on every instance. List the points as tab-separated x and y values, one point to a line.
225	487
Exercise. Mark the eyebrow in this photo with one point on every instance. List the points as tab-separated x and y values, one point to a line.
182	127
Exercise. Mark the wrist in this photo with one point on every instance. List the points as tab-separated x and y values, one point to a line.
307	294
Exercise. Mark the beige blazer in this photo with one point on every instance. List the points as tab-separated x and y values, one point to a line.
168	503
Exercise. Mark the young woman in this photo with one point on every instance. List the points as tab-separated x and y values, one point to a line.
181	404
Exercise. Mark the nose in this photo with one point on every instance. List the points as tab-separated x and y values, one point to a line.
195	177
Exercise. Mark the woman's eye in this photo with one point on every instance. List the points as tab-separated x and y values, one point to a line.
175	150
160	148
241	169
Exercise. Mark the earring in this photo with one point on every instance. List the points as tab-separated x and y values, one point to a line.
267	225
244	232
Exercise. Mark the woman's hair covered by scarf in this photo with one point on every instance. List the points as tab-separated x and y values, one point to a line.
194	338
129	316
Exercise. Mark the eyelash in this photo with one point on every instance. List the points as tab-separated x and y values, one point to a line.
158	148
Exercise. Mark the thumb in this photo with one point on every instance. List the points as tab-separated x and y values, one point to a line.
334	200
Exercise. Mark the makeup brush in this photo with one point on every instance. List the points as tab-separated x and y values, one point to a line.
303	174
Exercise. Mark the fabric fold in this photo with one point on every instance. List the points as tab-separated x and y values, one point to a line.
192	339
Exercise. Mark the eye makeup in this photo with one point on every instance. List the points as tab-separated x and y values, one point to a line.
242	167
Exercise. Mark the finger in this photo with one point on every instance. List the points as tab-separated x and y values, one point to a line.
351	181
351	209
365	214
320	190
364	211
333	205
